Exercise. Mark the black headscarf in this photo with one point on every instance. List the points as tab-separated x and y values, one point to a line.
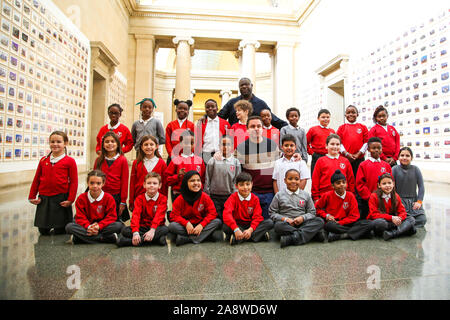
189	196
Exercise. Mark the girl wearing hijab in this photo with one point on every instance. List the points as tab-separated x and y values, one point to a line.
194	216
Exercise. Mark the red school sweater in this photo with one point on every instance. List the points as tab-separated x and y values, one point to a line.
242	212
324	169
239	132
126	140
190	163
103	211
273	134
316	139
202	212
200	129
151	214
390	140
116	177
173	132
50	180
367	176
138	173
345	211
353	136
374	212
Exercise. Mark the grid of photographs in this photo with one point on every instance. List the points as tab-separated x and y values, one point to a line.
410	77
117	93
43	81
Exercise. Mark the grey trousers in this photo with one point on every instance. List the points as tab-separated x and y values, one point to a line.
354	230
307	229
81	233
160	231
418	215
178	229
406	228
257	234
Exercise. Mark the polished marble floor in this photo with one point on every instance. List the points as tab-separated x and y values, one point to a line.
45	267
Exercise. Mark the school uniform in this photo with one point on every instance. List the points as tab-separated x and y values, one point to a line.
151	126
383	221
367	181
220	180
140	170
201	212
283	165
122	131
173	131
300	139
316	139
288	204
325	168
56	180
243	213
239	132
354	138
272	133
88	211
344	209
149	213
207	136
390	140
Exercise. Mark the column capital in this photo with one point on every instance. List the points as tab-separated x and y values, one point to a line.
285	44
226	91
144	37
188	39
248	42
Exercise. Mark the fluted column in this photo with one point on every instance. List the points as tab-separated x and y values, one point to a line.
248	65
183	67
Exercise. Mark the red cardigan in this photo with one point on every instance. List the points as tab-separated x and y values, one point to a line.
242	212
374	213
224	127
116	177
190	163
240	133
316	139
202	212
138	173
353	136
367	177
103	212
173	132
50	180
324	169
149	213
390	141
345	211
126	140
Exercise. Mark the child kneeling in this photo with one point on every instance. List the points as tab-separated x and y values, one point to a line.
339	208
294	213
149	216
242	214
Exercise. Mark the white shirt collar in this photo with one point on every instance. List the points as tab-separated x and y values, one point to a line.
180	122
268	128
284	159
100	197
373	159
145	121
242	198
384	127
386	197
332	157
343	196
55	160
185	156
230	158
115	127
154	159
323	126
154	198
113	158
216	119
291	193
244	124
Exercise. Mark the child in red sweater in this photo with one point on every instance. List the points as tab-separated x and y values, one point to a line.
243	110
96	217
56	181
388	135
149	216
269	131
326	166
126	140
368	173
114	164
242	214
148	160
194	217
317	136
339	209
354	138
388	212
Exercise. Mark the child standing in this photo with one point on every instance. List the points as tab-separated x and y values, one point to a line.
287	162
368	173
294	214
270	132
126	140
407	178
388	135
148	160
317	136
221	175
354	137
56	181
326	166
194	217
115	166
147	125
242	216
176	127
388	212
339	209
293	116
96	217
149	215
243	110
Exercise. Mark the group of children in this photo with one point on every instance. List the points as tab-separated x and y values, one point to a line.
211	191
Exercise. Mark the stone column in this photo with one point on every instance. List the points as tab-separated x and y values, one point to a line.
143	82
284	77
184	51
248	66
226	95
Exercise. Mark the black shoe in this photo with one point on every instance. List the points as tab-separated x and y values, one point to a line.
171	237
387	235
181	240
110	238
285	241
44	231
217	236
320	236
163	241
124	242
233	240
333	237
266	236
297	238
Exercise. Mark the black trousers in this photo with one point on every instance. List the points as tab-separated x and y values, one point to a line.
219	203
406	228
257	234
127	240
355	230
355	165
314	159
363	207
307	229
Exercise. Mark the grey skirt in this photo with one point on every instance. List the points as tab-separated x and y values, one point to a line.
50	214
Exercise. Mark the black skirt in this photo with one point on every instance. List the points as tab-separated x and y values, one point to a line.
125	214
50	214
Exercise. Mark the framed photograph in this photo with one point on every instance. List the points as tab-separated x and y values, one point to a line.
8	154
6	26
13	62
15	32
17	154
8	138
27	125
12	92
4	41
34	154
17	18
26	154
2	105
6	10
20	110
